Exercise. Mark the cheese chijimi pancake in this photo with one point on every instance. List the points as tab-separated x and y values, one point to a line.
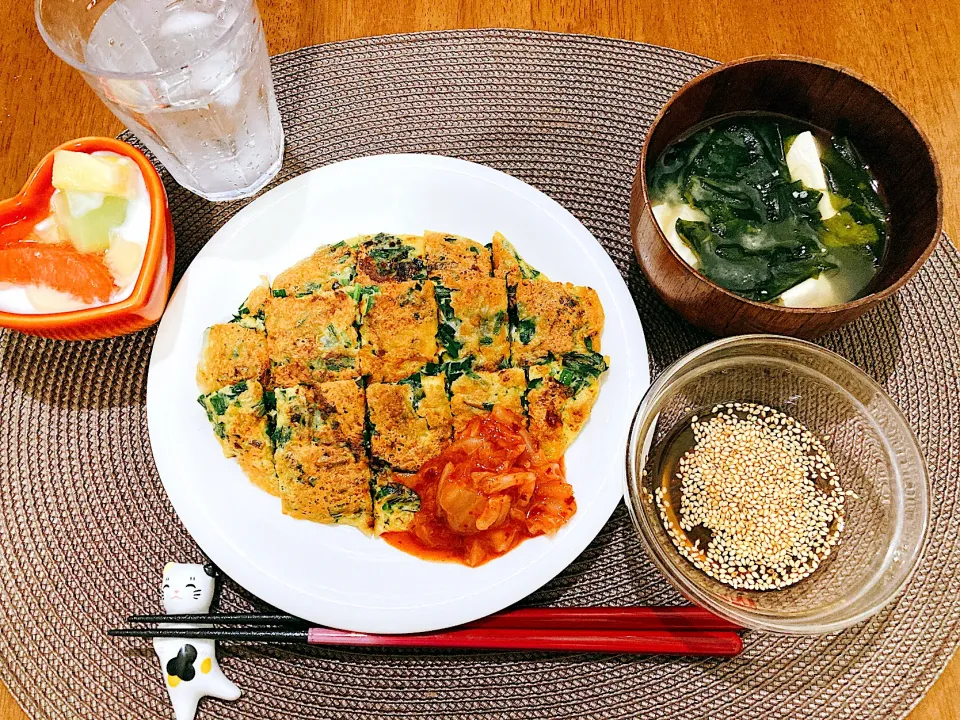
476	394
474	322
321	461
238	414
384	258
560	395
231	353
398	331
251	314
324	484
394	504
553	319
410	422
452	259
331	267
507	260
327	414
362	361
312	339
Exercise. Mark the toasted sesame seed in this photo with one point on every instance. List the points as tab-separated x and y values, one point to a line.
750	480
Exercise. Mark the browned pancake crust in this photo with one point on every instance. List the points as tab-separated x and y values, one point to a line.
231	353
312	339
398	331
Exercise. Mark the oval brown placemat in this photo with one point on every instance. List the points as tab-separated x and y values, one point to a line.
85	526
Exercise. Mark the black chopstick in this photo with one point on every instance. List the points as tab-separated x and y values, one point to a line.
221	619
243	635
591	618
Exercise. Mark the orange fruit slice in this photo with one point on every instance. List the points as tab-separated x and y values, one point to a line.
60	267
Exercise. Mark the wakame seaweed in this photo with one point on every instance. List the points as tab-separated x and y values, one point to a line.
763	233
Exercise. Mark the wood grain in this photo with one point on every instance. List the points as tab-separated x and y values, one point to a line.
909	49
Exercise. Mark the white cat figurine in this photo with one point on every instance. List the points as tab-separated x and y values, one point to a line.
190	667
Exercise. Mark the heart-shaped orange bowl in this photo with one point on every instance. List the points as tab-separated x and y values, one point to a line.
148	299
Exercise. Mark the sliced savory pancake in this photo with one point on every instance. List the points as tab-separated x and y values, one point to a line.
320	456
476	394
394	504
475	323
384	258
331	413
312	339
560	395
238	414
331	267
554	318
398	331
231	353
325	484
361	363
251	313
452	259
507	260
410	422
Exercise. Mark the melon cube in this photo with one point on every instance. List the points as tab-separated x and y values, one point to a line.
91	231
80	203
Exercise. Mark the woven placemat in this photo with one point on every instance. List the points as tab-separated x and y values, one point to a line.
85	526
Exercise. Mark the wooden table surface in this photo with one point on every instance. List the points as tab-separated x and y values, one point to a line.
907	48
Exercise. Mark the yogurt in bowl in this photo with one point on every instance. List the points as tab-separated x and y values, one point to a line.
89	249
87	245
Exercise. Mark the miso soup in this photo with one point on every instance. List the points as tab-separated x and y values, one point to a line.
772	209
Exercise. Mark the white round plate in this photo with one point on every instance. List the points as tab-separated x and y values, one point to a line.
333	575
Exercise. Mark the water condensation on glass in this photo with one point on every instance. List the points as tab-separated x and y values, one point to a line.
204	100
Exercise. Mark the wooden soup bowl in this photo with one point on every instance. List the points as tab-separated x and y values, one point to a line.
149	296
827	97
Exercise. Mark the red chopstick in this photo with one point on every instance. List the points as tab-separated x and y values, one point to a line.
724	644
607	618
648	642
646	630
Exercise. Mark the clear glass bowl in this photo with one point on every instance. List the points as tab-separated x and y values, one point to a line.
876	455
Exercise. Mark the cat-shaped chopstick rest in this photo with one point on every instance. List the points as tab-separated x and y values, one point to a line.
190	667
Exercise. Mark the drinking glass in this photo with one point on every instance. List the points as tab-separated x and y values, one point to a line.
191	78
